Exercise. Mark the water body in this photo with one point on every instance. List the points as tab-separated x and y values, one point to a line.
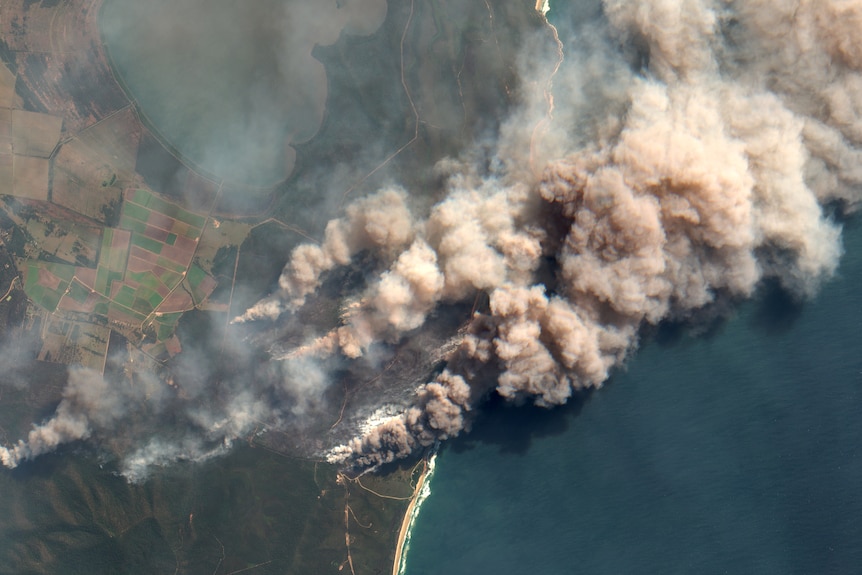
232	86
735	452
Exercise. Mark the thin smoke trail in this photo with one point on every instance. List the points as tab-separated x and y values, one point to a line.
685	180
686	153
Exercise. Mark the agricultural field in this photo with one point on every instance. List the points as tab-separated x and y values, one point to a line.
144	279
46	283
8	99
27	140
72	342
218	237
71	161
73	243
54	50
35	134
86	183
146	268
5	131
30	177
116	139
92	169
6	174
49	233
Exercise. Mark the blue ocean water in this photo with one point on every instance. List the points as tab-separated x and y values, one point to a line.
737	451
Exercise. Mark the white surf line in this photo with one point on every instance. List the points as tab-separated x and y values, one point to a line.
420	494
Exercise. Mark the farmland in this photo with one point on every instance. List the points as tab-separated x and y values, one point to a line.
124	248
144	278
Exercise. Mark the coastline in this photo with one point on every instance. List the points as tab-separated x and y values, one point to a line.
420	494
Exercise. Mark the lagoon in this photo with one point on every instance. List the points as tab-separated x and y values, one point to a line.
231	87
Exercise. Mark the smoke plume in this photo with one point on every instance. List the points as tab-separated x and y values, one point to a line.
666	159
89	403
707	170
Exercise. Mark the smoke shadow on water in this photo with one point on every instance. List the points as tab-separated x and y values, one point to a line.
672	333
513	428
731	452
775	310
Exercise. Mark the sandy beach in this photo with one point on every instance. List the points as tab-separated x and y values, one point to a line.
410	514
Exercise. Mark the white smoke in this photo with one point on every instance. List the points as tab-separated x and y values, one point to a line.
686	153
88	402
741	124
157	452
381	221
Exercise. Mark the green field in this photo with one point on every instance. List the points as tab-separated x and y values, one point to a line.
135	211
43	295
129	223
170	265
78	292
140	293
145	279
156	204
166	325
146	243
112	258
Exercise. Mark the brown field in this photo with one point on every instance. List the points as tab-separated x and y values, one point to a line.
178	255
6	174
149	257
136	265
38	25
157	234
160	221
48	279
118	315
186	244
78	176
178	301
70	242
30	177
207	285
87	277
8	99
62	69
53	346
5	131
35	134
71	342
115	139
91	170
121	241
173	345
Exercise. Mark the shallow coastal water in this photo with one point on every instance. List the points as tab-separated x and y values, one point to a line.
733	452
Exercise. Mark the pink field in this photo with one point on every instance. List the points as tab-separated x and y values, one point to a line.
87	277
48	280
176	302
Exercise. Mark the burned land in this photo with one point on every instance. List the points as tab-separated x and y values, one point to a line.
124	258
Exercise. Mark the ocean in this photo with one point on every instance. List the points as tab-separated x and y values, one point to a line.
730	450
733	451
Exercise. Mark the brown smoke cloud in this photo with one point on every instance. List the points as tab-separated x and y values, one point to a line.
378	222
688	153
741	125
